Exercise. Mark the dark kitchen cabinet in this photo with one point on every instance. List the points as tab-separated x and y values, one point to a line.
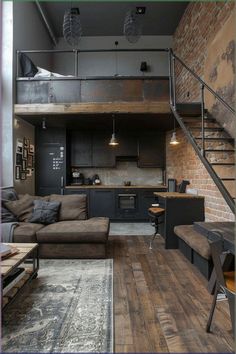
151	150
103	154
180	209
50	161
81	148
128	145
102	203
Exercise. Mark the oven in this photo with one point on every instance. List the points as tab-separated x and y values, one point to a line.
127	204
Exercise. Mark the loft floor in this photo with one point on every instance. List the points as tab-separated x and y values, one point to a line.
161	303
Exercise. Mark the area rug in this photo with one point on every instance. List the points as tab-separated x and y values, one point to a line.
68	308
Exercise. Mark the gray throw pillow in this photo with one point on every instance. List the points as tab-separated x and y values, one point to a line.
7	216
45	212
8	194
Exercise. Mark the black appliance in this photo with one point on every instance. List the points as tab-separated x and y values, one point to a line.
127	204
182	186
78	178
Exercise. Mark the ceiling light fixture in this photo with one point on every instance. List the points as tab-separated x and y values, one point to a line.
173	139
72	29
132	26
113	141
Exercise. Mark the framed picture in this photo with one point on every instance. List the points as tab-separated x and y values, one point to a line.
23	175
26	143
23	165
19	146
31	149
18	159
25	154
17	172
30	161
29	172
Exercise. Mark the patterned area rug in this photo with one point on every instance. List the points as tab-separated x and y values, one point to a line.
68	308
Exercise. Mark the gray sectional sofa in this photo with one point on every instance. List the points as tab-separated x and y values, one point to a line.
72	236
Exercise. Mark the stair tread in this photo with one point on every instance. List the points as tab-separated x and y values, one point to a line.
228	179
222	163
217	139
208	128
215	150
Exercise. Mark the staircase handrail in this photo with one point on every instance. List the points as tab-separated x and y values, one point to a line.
203	82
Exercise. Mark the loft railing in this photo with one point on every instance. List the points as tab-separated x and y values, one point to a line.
76	53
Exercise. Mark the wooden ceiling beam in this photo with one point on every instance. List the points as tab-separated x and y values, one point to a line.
143	107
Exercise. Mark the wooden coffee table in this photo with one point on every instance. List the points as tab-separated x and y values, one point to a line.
27	258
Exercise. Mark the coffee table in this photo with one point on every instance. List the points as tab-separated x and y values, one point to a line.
27	258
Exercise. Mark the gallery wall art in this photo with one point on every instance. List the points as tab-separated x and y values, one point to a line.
24	161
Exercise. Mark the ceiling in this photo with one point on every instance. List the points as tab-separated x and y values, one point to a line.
106	18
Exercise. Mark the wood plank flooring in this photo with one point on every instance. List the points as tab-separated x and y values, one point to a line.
161	303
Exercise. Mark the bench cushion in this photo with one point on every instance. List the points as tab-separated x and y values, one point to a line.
26	232
194	239
94	230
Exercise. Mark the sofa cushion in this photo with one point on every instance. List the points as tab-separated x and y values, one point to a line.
8	194
73	207
93	230
21	208
26	232
198	242
45	212
6	215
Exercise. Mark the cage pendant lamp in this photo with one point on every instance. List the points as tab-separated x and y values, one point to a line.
113	141
72	29
132	26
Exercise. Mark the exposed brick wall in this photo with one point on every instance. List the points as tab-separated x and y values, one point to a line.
199	24
183	163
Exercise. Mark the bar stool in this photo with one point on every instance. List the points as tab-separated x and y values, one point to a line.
156	216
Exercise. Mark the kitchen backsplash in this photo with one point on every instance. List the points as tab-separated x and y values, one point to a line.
125	171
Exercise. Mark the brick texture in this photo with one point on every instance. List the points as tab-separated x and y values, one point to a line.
199	24
183	163
197	28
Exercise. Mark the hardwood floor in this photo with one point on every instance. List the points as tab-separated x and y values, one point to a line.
161	303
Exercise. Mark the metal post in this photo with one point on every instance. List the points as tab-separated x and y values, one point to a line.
17	63
203	121
76	62
173	83
170	77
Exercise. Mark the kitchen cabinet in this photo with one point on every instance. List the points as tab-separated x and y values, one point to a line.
50	161
180	209
128	145
81	148
102	203
151	150
103	155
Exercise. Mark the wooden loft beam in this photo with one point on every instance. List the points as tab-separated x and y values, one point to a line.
92	108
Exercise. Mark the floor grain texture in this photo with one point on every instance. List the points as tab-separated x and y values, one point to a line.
161	303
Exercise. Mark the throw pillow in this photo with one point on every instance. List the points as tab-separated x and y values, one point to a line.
8	194
73	207
28	69
7	216
45	212
21	208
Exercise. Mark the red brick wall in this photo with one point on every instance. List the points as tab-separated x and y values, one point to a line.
198	27
199	24
183	163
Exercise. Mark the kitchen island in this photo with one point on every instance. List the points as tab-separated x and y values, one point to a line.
180	209
118	202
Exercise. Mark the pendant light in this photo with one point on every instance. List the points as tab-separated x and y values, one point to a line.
173	140
113	141
132	26
72	29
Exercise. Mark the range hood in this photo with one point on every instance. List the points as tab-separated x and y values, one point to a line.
127	158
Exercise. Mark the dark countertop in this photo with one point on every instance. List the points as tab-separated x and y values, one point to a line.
103	186
177	195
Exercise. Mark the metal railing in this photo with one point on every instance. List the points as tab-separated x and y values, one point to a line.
173	104
76	53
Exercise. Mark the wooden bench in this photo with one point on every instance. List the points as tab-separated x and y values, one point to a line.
195	248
